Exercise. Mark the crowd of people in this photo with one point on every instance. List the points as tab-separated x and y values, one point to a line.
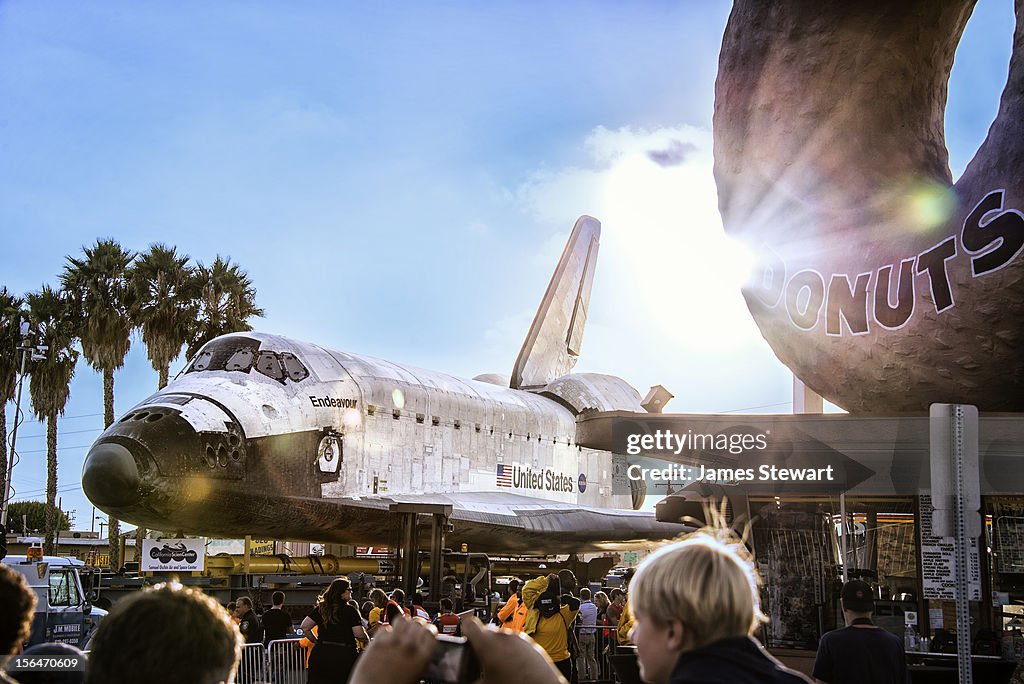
691	611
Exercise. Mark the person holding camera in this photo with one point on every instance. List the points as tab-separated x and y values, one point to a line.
549	618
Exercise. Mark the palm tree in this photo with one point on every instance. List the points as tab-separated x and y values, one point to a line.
164	304
100	287
49	384
164	307
227	300
10	361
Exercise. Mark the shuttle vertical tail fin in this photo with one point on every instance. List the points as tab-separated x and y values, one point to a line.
553	343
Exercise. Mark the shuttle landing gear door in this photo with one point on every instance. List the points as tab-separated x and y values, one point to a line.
328	456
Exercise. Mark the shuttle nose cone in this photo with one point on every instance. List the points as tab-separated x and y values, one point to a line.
110	476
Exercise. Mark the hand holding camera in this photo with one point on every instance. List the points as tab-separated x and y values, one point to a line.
410	651
398	654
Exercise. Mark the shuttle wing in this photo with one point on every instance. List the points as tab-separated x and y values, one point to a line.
553	343
510	523
547	527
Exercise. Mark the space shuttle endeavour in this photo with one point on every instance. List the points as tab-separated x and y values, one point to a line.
269	436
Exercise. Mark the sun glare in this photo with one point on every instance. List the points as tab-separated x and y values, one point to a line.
663	222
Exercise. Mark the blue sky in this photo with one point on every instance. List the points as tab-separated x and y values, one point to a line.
399	180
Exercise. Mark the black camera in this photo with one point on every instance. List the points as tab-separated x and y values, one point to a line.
453	661
548	603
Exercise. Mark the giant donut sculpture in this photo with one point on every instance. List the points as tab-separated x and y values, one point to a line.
880	283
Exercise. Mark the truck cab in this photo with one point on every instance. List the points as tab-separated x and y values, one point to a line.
63	612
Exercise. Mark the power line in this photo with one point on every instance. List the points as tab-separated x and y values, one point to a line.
62	432
39	492
751	408
81	415
59	449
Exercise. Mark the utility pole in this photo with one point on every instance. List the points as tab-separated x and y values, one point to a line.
28	353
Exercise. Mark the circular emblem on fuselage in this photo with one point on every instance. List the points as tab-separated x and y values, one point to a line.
583	483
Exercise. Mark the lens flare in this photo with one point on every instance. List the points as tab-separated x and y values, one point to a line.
929	205
195	489
351	418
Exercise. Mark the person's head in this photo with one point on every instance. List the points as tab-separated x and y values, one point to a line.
446	605
513	586
584	594
618	597
398	596
554	583
857	600
53	650
242	606
567	580
689	594
601	600
168	628
417	599
379	598
17	605
335	596
231	607
627	578
277	599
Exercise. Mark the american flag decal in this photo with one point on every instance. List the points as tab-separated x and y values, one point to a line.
504	475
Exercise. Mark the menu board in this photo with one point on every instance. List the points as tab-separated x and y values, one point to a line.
938	562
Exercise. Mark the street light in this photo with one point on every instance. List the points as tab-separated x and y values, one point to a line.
28	353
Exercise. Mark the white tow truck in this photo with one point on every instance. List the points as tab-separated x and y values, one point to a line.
63	611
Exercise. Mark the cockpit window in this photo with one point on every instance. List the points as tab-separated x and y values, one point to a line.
293	367
269	364
226	353
243	354
241	360
202	361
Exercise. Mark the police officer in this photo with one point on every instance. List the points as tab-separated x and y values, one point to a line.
248	623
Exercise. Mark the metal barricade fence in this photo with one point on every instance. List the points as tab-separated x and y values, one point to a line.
282	662
286	662
595	645
251	666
